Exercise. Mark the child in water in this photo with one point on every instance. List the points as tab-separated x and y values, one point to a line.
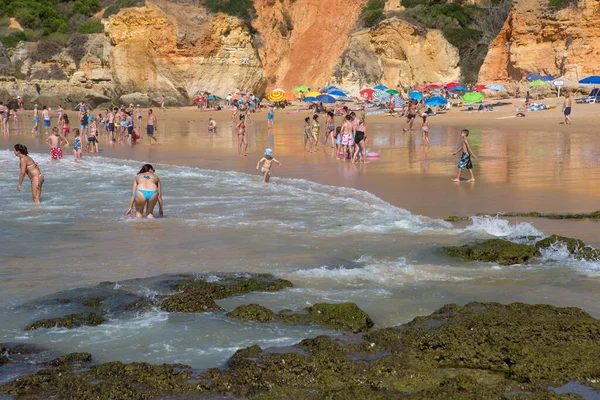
267	162
54	141
212	125
77	145
465	159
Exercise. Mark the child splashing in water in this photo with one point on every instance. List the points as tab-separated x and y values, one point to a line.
267	162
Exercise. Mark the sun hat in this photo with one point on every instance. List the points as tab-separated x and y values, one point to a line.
269	152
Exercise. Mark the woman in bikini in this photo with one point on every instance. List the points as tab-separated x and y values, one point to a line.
425	130
316	129
32	170
242	141
146	192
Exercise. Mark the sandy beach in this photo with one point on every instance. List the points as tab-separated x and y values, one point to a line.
525	164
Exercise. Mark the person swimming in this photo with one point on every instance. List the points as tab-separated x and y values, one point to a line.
146	192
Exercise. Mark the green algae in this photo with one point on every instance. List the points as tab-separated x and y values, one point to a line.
575	246
200	295
532	214
476	351
72	358
344	316
69	321
94	302
500	251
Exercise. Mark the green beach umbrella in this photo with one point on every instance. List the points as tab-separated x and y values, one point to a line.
472	97
392	91
301	89
537	83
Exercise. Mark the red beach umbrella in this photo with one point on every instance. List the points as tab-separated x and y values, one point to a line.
452	85
479	88
432	86
199	100
367	93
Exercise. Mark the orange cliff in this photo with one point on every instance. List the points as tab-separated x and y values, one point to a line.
564	43
308	52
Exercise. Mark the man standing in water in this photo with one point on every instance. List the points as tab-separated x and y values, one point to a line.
151	127
567	107
46	117
111	125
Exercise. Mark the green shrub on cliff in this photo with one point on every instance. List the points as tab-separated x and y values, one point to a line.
90	26
13	39
243	9
372	12
117	5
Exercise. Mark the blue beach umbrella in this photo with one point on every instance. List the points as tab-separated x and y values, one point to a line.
533	77
594	80
547	78
328	88
325	98
336	92
415	95
459	89
380	87
398	101
309	99
212	97
495	86
436	101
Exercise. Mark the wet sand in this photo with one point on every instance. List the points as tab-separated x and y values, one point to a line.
525	164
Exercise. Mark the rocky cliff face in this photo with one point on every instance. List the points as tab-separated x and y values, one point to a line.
563	43
397	53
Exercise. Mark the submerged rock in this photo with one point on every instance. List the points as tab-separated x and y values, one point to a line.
199	295
344	317
72	358
500	251
476	351
575	246
69	321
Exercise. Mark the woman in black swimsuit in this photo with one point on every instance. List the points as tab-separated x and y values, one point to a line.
360	139
32	170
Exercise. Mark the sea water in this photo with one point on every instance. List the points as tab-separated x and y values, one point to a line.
335	244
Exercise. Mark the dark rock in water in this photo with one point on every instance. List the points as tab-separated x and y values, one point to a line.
575	246
476	351
4	360
199	295
72	358
252	312
344	317
500	251
69	321
95	302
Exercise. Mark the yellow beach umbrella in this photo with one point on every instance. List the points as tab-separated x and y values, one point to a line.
276	96
312	94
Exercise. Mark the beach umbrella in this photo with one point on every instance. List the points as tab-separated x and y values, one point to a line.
472	97
537	83
479	88
458	89
325	98
381	96
533	77
495	86
340	98
547	78
398	101
290	96
199	100
309	99
432	86
593	80
367	93
312	94
302	88
392	91
213	97
328	88
436	101
276	96
450	85
278	90
415	95
337	92
380	87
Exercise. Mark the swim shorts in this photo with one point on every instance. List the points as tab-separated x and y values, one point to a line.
270	116
150	130
567	111
56	153
47	123
111	126
465	161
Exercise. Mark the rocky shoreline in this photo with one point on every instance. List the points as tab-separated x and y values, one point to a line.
479	350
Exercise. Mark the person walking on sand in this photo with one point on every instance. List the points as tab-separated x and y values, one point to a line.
270	116
567	108
267	162
151	127
146	192
32	170
411	114
162	102
465	159
425	129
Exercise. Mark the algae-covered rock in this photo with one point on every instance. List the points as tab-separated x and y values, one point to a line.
72	358
200	295
252	312
345	317
500	251
575	246
69	321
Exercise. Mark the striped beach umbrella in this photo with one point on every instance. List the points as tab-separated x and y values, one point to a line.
398	101
381	96
276	96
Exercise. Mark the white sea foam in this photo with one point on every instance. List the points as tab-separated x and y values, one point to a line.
502	228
